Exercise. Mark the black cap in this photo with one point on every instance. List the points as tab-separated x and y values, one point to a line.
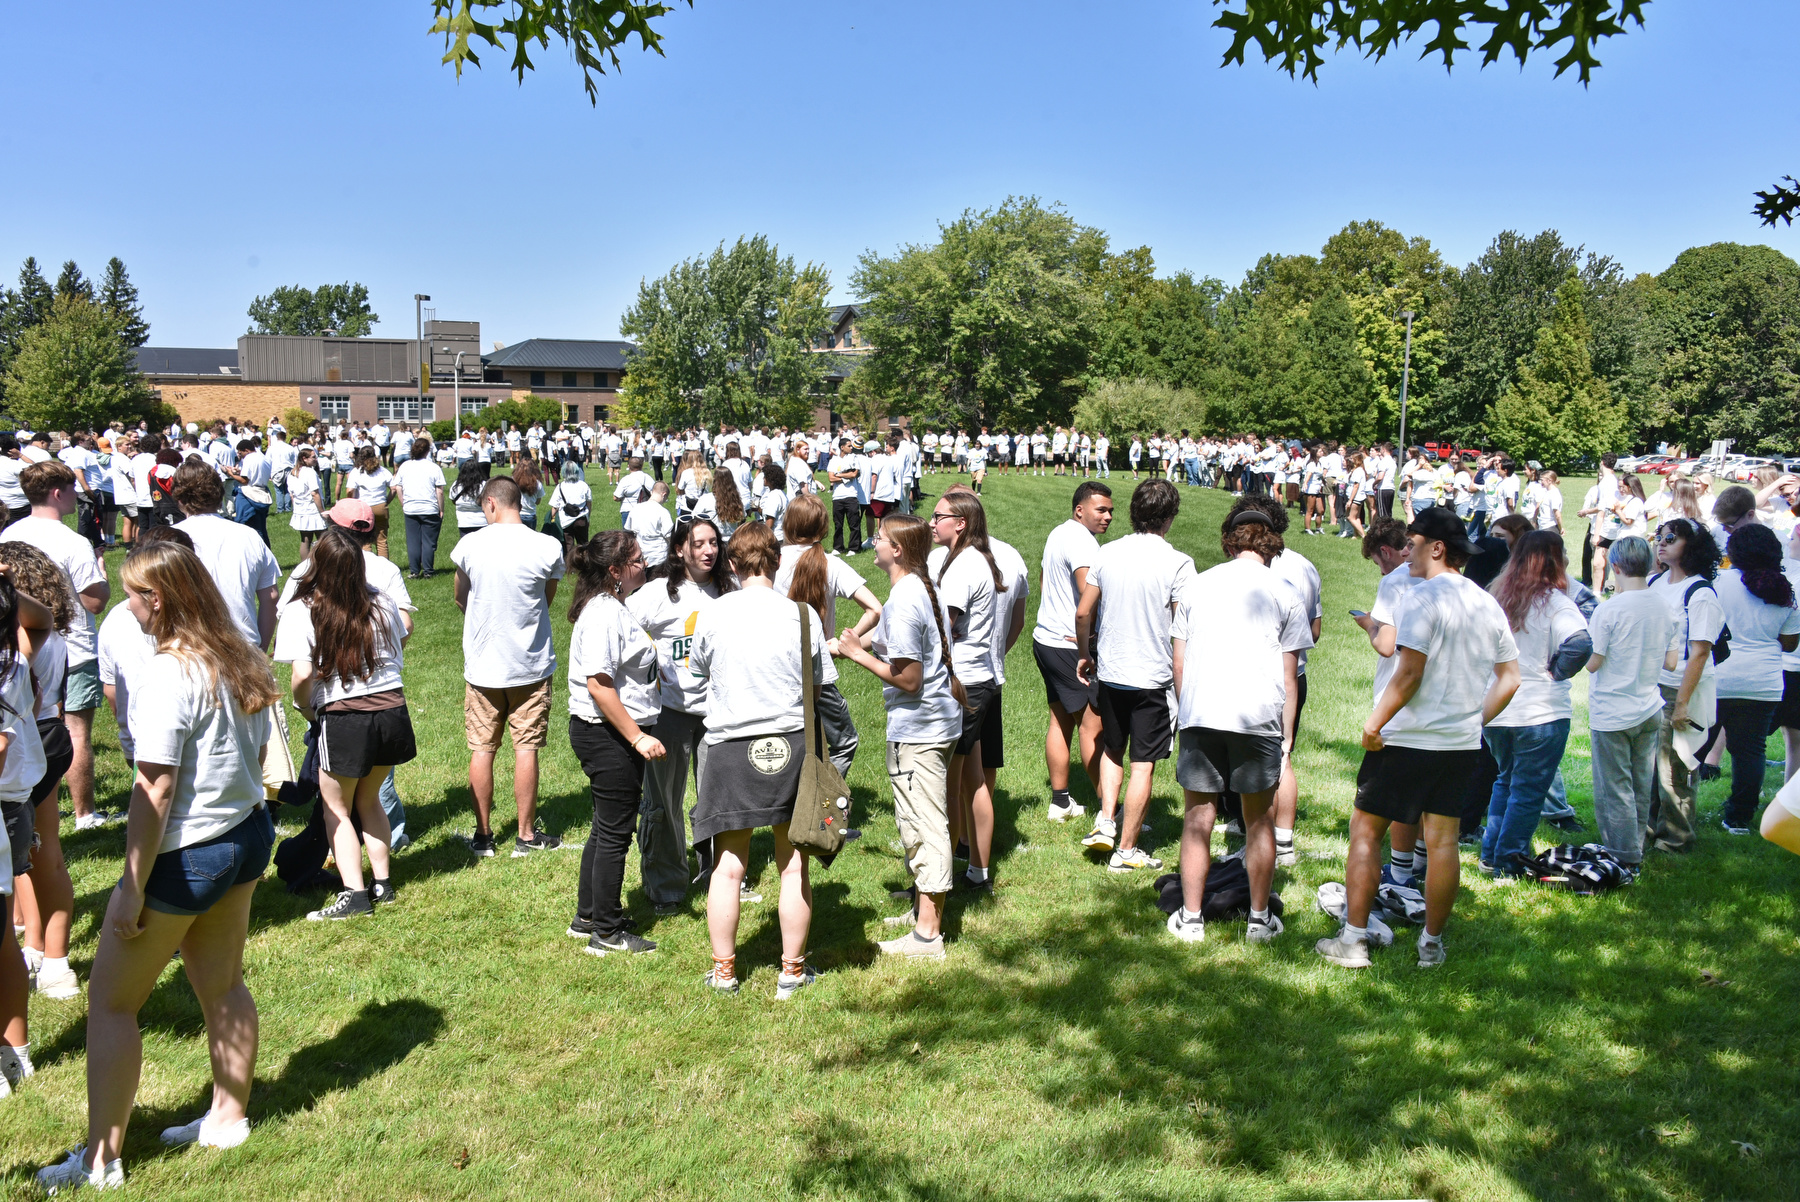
1440	524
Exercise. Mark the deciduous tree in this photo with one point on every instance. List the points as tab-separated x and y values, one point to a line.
75	370
1560	410
340	309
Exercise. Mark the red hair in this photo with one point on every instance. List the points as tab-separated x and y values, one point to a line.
1537	567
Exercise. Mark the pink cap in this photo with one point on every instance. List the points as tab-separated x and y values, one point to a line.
353	514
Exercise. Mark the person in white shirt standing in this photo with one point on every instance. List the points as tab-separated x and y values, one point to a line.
1237	638
1141	578
1069	555
506	578
50	488
1458	668
845	474
1690	559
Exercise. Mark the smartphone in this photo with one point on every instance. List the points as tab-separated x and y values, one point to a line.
1359	613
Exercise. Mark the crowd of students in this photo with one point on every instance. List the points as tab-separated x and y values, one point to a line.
702	638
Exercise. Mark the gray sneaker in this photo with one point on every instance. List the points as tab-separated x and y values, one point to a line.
1431	952
1344	951
1263	930
786	986
912	947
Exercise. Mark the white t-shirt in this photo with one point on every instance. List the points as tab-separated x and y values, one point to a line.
125	647
75	556
1702	621
571	492
239	562
1141	578
372	487
908	630
1238	619
841	580
11	494
417	482
216	750
1303	577
1632	630
774	510
18	779
50	670
627	490
851	489
672	624
123	485
1388	596
747	647
607	641
294	639
966	590
1752	672
1070	547
653	526
506	628
83	463
1463	633
1017	577
1542	698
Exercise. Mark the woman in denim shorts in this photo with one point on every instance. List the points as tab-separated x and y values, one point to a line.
196	843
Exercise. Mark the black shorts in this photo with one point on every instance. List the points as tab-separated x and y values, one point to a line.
983	724
21	833
1060	458
1402	784
1062	687
1217	761
59	753
1138	715
1299	707
352	745
1787	713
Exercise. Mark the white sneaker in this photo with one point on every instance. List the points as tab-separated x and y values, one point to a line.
1188	930
910	947
1263	931
1431	952
73	1173
87	822
747	895
1132	858
207	1134
1333	901
1103	835
1064	813
1286	859
34	960
58	982
1344	951
786	986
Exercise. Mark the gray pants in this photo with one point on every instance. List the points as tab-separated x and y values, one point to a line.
662	817
394	809
1672	818
1625	785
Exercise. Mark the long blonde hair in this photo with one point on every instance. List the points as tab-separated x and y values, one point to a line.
192	624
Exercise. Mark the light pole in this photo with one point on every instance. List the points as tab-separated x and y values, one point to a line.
456	389
419	299
1405	372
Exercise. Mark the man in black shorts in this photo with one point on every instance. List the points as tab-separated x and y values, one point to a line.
1069	554
1423	741
1142	577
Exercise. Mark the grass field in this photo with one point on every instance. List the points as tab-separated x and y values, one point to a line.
459	1045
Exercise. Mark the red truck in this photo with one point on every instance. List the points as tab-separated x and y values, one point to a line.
1448	450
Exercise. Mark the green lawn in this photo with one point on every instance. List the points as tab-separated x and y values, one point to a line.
460	1045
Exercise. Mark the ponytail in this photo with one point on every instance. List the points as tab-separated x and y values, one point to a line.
957	690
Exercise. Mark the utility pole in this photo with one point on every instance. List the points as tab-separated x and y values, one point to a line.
1405	372
419	299
456	391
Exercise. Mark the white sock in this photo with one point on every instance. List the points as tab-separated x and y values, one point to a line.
1351	932
977	874
18	1058
1284	834
1428	937
1188	915
1259	915
1402	860
56	964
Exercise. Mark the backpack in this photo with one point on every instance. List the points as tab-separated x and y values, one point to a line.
1226	895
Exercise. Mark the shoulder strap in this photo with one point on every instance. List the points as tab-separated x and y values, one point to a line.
806	678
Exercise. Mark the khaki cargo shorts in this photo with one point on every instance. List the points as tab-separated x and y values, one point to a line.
524	709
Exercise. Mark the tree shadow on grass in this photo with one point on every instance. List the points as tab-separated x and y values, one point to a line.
1515	1057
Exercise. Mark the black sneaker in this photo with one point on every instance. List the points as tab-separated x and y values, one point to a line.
624	941
539	841
669	909
482	845
1732	828
581	928
381	893
1569	823
351	903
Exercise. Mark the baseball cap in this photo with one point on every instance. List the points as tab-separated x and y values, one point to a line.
352	514
1442	525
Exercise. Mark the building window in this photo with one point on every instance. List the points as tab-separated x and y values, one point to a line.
850	337
474	404
537	379
334	407
599	379
568	379
831	342
407	409
599	413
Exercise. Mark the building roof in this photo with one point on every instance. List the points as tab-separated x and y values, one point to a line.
565	354
187	360
839	312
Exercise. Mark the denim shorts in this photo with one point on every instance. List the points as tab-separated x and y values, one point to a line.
192	880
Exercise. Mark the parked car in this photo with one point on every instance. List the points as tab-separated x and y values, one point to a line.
1746	466
1644	464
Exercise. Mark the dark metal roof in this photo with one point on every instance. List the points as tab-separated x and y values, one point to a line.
186	360
566	354
838	313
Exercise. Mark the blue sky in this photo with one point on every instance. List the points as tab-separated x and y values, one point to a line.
221	149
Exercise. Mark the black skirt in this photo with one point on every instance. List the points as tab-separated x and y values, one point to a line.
749	783
353	744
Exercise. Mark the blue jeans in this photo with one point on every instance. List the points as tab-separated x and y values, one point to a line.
252	515
422	540
393	808
1527	757
1193	471
283	502
1556	804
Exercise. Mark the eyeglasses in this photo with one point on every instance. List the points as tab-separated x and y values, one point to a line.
939	517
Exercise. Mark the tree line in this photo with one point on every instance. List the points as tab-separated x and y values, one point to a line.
68	351
1019	315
